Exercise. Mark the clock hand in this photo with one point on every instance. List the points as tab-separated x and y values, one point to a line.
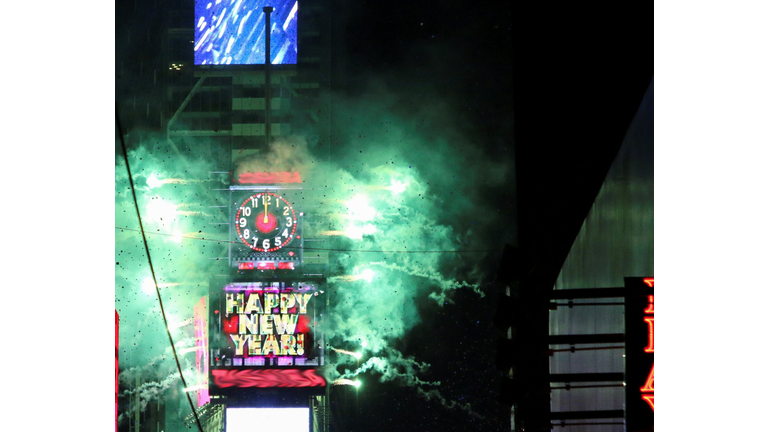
266	204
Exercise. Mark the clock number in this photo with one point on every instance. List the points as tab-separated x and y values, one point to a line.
247	211
255	242
290	221
277	203
243	222
285	211
246	233
285	233
265	244
254	202
278	241
267	199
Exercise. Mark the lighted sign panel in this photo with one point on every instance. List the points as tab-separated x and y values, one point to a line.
639	351
263	419
263	335
232	32
266	229
201	343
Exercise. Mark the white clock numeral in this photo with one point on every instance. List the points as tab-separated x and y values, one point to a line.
277	202
285	211
265	244
254	202
285	233
243	222
247	211
267	199
278	242
255	242
246	233
290	221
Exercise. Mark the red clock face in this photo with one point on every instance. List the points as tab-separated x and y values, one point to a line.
265	222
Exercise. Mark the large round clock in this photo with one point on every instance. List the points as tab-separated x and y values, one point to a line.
265	222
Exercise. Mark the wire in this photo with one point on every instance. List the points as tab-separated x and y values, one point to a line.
320	249
151	268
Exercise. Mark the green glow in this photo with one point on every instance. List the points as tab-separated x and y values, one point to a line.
397	187
358	209
148	286
158	209
367	275
153	181
357	383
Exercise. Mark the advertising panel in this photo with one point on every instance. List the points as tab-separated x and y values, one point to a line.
264	335
639	351
232	32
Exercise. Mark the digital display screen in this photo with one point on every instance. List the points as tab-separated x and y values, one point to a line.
233	32
260	419
264	336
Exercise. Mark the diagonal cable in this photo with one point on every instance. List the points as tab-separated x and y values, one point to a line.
151	268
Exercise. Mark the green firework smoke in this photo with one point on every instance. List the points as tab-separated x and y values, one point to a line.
394	198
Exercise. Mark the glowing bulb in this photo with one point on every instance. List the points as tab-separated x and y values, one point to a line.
357	355
177	237
148	286
364	344
367	275
356	383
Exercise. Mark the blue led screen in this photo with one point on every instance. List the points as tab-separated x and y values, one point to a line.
233	31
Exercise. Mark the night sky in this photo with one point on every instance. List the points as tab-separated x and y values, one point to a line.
526	159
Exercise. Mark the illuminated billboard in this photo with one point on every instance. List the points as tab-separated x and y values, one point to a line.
201	357
233	32
253	419
263	335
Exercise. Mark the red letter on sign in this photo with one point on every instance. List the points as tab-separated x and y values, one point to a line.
649	398
648	387
649	309
649	348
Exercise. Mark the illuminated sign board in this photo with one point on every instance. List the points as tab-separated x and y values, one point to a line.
263	335
639	351
233	32
201	357
268	177
282	419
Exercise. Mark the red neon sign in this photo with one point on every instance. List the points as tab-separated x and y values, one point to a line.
648	387
649	282
269	178
649	398
649	348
